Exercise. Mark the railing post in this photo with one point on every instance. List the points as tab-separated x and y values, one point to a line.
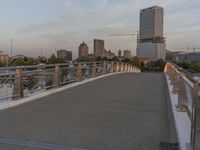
175	83
57	76
172	77
195	128
111	67
104	67
126	67
94	69
181	95
129	67
79	72
117	67
135	70
120	67
18	91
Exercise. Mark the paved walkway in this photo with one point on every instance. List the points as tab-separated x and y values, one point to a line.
119	112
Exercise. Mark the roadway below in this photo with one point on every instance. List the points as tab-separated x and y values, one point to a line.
129	111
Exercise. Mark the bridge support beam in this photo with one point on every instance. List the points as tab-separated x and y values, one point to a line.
18	91
195	129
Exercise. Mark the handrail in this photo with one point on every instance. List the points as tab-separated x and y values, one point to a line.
187	87
23	81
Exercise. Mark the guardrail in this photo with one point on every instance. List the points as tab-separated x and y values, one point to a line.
187	87
19	82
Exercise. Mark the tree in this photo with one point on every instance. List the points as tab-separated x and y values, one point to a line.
160	64
54	60
2	64
115	58
136	62
18	62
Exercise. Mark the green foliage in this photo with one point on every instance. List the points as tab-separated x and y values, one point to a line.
115	58
136	62
54	60
160	64
193	67
185	65
101	59
24	61
19	62
2	64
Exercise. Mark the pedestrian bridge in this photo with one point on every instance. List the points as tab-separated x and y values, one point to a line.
111	107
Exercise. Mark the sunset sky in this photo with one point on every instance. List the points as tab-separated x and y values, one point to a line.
63	24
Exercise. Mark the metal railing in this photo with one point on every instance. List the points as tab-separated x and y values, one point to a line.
187	87
19	82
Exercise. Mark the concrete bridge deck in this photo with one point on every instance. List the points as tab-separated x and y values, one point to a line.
120	112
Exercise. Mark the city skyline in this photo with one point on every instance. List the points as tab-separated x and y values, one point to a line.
64	24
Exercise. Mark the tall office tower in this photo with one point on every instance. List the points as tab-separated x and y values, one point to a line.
151	43
83	50
127	53
99	48
64	54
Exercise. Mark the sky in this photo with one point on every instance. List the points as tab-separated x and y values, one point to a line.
64	24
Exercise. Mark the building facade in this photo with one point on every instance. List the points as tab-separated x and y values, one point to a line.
99	48
120	53
127	53
151	43
4	58
189	57
108	54
65	54
83	50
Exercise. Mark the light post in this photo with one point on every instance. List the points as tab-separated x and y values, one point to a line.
11	47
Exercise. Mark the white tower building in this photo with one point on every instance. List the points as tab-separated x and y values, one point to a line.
151	43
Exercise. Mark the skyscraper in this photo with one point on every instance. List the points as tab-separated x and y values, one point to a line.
83	50
99	48
151	43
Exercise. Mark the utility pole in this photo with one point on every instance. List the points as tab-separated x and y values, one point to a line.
41	50
11	47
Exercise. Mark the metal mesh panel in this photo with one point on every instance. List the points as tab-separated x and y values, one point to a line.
6	85
38	80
